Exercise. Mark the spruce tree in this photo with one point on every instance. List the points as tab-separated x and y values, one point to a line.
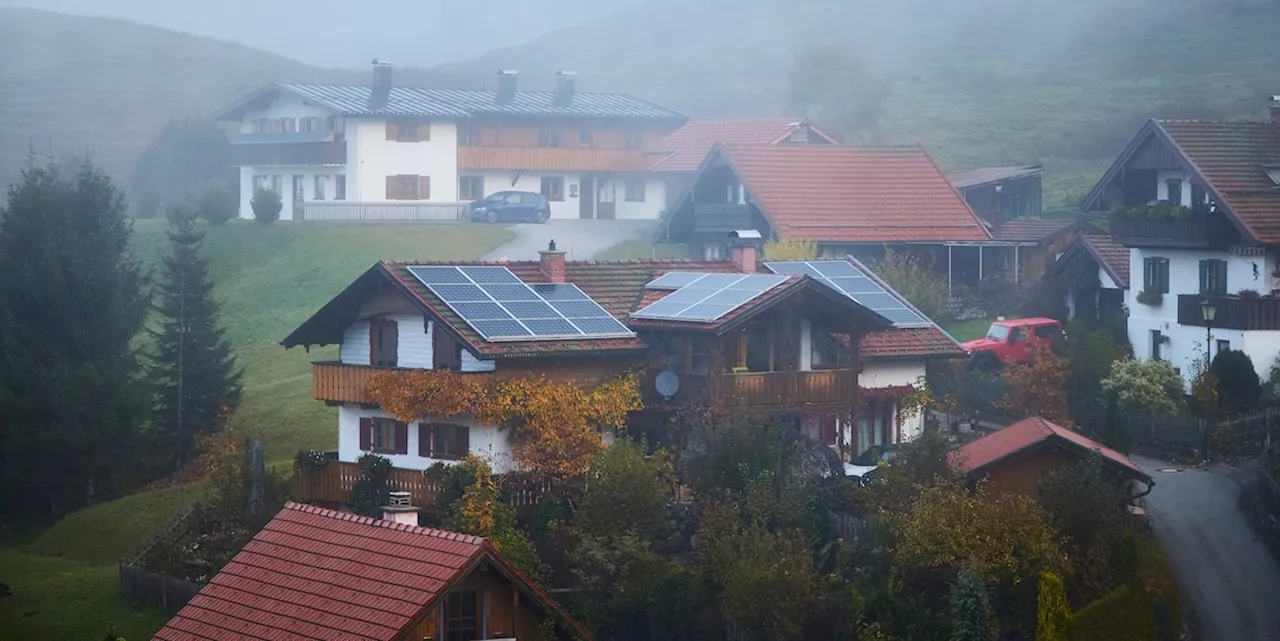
195	374
72	401
970	608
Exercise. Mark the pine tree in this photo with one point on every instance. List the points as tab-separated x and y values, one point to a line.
72	401
970	608
195	374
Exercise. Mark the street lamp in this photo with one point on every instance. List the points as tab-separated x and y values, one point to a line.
1208	311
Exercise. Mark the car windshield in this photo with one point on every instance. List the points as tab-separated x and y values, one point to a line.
495	198
998	332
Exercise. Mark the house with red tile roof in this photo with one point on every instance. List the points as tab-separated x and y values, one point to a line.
1014	458
859	201
1197	205
1093	255
314	573
826	342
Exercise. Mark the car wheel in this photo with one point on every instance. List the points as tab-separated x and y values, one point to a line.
540	217
492	217
986	363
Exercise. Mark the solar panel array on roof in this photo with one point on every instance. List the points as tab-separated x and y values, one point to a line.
844	277
501	307
703	298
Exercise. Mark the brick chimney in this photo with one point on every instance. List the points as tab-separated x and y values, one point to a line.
1275	109
507	79
552	264
744	249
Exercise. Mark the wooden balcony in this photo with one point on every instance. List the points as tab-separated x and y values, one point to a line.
267	154
332	482
1233	312
760	389
721	218
1189	233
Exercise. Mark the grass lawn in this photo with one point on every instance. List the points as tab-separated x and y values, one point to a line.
644	249
104	533
969	329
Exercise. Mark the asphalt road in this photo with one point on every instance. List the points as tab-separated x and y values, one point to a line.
579	239
1231	582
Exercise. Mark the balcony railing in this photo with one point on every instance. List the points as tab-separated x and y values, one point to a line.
347	211
344	383
1231	312
1192	233
332	483
761	389
721	218
268	154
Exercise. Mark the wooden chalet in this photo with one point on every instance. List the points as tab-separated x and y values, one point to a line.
775	337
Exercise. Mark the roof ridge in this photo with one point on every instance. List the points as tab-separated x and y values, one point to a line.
389	525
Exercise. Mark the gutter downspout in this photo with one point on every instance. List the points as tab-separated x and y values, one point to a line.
1150	486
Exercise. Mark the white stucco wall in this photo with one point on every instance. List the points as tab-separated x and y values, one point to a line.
570	208
485	440
286	175
413	349
1186	344
890	373
1162	186
655	199
376	158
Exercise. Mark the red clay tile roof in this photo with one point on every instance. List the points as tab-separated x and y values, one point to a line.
1112	257
1032	230
854	194
1232	157
910	342
313	573
997	446
689	145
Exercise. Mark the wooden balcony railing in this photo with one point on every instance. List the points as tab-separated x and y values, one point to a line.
1191	232
761	389
343	383
720	218
332	483
1233	312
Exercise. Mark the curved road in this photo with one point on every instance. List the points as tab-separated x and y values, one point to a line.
579	239
1231	582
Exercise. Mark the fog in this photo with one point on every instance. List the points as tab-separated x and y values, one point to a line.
340	33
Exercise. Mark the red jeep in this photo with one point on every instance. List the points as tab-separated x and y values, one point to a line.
1009	342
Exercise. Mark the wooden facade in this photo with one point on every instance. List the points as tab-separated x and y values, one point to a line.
1021	474
488	600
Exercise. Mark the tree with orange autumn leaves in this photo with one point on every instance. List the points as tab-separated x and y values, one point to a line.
555	426
1039	387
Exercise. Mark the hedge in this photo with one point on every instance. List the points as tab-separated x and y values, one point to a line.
1123	614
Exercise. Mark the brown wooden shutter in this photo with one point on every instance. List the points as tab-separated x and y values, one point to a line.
424	131
366	434
424	187
391	130
425	433
827	427
402	438
464	440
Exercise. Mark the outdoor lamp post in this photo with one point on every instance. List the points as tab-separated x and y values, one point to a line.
1208	311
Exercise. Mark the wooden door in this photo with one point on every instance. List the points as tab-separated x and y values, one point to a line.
586	196
608	205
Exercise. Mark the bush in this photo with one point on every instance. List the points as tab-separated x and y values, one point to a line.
218	204
1238	385
1144	387
266	205
790	250
1123	614
1052	614
370	492
925	288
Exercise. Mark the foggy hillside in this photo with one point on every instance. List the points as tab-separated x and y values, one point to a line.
336	33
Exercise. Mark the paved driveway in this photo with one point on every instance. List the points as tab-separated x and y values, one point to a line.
1231	582
580	239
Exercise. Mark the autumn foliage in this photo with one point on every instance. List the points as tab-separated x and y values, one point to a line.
1039	388
555	426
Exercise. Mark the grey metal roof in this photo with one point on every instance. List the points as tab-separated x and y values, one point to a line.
973	178
354	100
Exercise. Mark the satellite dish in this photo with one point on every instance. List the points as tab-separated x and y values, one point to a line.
667	383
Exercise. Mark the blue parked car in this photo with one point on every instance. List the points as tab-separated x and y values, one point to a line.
511	206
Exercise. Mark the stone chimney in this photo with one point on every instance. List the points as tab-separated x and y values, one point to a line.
400	510
507	86
744	249
1275	109
552	264
381	91
566	87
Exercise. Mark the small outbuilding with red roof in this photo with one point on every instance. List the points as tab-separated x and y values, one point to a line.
1013	459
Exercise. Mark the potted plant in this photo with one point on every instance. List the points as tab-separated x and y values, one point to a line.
1248	294
1150	297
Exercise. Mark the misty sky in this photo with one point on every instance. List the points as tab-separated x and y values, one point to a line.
342	33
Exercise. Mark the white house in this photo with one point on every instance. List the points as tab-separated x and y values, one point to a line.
388	152
1197	203
781	344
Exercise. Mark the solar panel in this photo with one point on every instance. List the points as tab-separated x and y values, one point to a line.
852	281
703	298
501	307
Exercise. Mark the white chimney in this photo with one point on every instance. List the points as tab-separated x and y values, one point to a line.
399	509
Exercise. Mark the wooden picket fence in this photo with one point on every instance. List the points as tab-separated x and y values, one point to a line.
154	589
331	483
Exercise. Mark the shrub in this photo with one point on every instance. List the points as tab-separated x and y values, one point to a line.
925	288
1150	297
1238	385
1038	388
266	205
790	250
1092	354
1149	386
1248	294
1052	613
628	492
370	492
1123	614
970	609
218	204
